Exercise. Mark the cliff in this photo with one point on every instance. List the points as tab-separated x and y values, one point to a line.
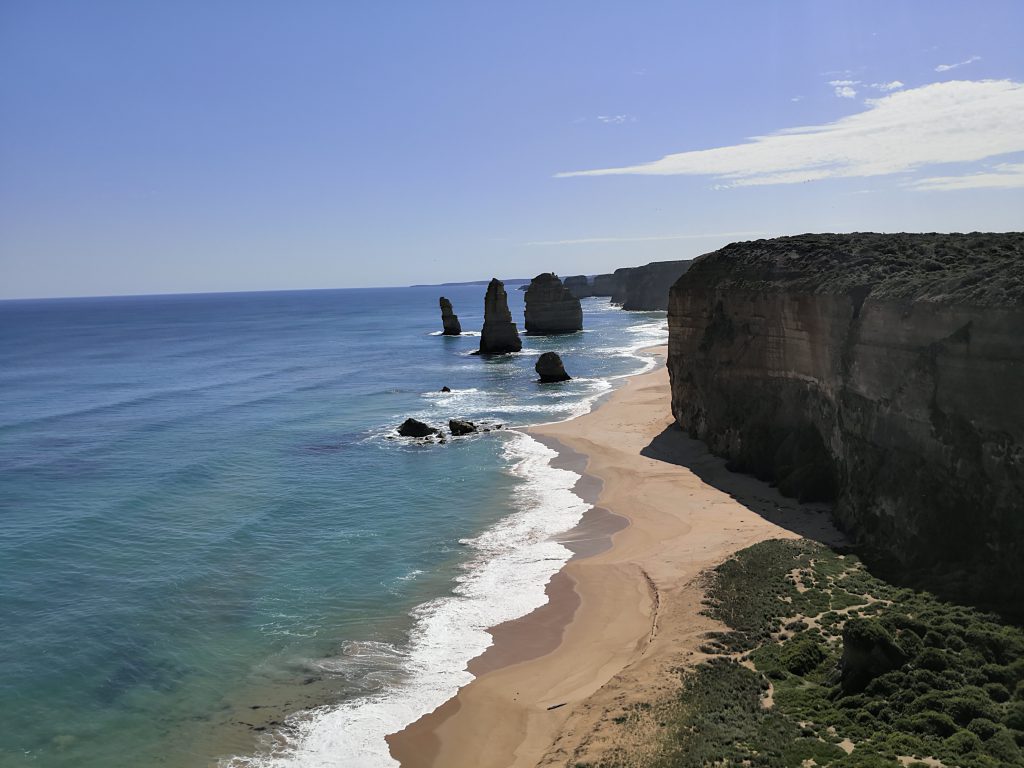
499	335
579	286
883	371
551	307
647	287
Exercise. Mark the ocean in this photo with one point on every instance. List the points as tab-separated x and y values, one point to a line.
215	552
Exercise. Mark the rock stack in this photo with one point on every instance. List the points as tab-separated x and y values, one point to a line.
550	369
551	307
452	326
500	335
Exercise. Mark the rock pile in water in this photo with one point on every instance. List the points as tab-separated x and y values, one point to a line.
499	335
416	428
452	326
551	307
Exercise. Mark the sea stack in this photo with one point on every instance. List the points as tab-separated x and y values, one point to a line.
551	307
550	369
500	335
452	326
579	286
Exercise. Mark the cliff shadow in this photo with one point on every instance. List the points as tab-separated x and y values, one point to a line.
811	520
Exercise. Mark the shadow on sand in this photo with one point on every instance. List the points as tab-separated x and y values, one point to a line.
811	521
814	521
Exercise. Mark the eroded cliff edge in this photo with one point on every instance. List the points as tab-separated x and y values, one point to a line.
883	371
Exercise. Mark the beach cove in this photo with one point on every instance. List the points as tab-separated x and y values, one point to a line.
619	617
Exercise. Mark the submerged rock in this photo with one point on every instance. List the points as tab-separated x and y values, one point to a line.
499	335
461	427
551	307
550	369
416	428
452	326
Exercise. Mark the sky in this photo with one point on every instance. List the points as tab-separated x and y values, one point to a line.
155	147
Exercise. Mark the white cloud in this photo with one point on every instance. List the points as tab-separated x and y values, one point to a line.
615	119
796	98
841	83
845	92
956	121
1002	176
947	67
592	240
894	85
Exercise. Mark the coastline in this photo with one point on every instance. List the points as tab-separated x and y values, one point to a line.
625	610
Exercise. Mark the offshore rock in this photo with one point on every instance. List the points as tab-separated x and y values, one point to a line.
550	369
551	307
882	371
499	335
578	286
416	428
461	427
450	321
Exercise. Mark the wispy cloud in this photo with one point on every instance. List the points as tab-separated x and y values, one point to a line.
893	85
616	119
947	67
646	239
1002	176
846	92
951	122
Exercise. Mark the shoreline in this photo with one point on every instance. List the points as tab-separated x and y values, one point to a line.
625	609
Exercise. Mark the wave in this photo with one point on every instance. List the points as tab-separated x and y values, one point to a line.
514	558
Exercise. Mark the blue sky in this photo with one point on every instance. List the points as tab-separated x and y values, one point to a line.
204	146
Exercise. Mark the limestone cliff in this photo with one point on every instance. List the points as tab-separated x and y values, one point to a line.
647	287
551	307
884	371
499	335
603	285
449	320
579	286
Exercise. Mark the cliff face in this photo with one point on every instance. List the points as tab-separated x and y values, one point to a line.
603	285
499	335
551	307
884	371
579	286
647	287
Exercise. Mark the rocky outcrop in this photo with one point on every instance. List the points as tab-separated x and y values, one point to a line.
647	287
603	285
416	428
550	369
551	307
882	371
499	335
450	321
620	278
579	286
461	427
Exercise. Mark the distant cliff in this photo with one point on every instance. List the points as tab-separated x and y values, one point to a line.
635	288
551	307
883	371
647	287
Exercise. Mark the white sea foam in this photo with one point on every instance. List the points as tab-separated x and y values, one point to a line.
515	558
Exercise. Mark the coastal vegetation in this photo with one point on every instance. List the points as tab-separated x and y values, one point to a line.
824	664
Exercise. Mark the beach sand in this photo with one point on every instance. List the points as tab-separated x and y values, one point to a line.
625	612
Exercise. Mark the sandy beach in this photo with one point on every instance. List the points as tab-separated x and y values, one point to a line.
625	611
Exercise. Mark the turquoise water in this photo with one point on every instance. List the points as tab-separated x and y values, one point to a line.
208	527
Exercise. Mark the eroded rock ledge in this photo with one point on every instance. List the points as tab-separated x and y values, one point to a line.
884	371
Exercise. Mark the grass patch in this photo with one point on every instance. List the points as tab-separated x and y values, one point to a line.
850	658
